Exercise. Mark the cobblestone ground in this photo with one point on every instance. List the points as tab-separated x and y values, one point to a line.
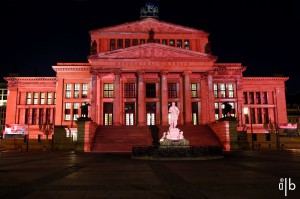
239	175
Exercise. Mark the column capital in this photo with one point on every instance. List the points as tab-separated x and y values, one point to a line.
163	72
117	72
140	72
187	72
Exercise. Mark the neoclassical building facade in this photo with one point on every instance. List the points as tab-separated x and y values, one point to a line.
135	71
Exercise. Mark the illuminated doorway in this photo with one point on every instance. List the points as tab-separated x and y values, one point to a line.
129	113
151	113
195	113
108	113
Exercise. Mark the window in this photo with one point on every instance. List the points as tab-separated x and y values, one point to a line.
265	97
135	42
230	88
142	41
68	111
76	90
164	42
41	115
27	116
127	43
251	96
266	115
48	115
68	90
84	93
179	43
34	116
222	90
216	90
187	44
257	98
112	44
75	111
120	43
49	98
150	91
35	98
172	42
216	111
259	116
172	90
156	41
252	115
129	90
108	90
43	98
54	98
28	98
245	97
194	90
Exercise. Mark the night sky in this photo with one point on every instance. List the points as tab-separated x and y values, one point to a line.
260	34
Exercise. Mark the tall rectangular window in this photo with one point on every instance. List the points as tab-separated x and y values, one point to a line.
112	44
266	115
68	91
222	90
251	96
129	90
179	43
120	43
76	90
75	111
164	42
41	115
108	90
245	97
259	116
49	98
67	111
28	98
35	98
127	43
194	90
142	41
265	97
187	44
27	116
84	93
216	90
172	42
34	116
135	42
48	115
230	88
216	111
43	97
252	115
257	98
150	90
172	90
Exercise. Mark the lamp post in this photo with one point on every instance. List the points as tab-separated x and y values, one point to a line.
247	112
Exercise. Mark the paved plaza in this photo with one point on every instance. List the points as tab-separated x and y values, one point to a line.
239	175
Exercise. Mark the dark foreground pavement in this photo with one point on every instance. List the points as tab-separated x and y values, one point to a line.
71	175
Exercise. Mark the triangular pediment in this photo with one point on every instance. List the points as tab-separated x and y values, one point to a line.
153	50
147	24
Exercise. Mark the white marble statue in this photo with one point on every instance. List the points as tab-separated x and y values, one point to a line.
174	115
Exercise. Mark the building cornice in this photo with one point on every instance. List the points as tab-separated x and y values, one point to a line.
69	67
266	78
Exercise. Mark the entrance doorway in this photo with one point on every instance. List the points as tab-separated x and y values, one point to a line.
151	112
129	113
195	113
108	113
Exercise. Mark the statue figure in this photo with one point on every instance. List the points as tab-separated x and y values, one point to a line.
174	115
85	110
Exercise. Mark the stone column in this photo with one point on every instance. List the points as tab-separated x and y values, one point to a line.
187	98
117	99
94	100
210	95
141	99
164	97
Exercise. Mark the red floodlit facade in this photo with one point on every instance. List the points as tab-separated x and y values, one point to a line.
134	71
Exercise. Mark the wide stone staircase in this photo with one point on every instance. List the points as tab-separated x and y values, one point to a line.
123	138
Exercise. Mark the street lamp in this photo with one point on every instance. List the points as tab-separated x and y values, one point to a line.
248	113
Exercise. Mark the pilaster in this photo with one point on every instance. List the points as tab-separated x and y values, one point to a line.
164	97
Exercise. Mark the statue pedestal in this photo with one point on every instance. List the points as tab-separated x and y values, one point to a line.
174	137
174	134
